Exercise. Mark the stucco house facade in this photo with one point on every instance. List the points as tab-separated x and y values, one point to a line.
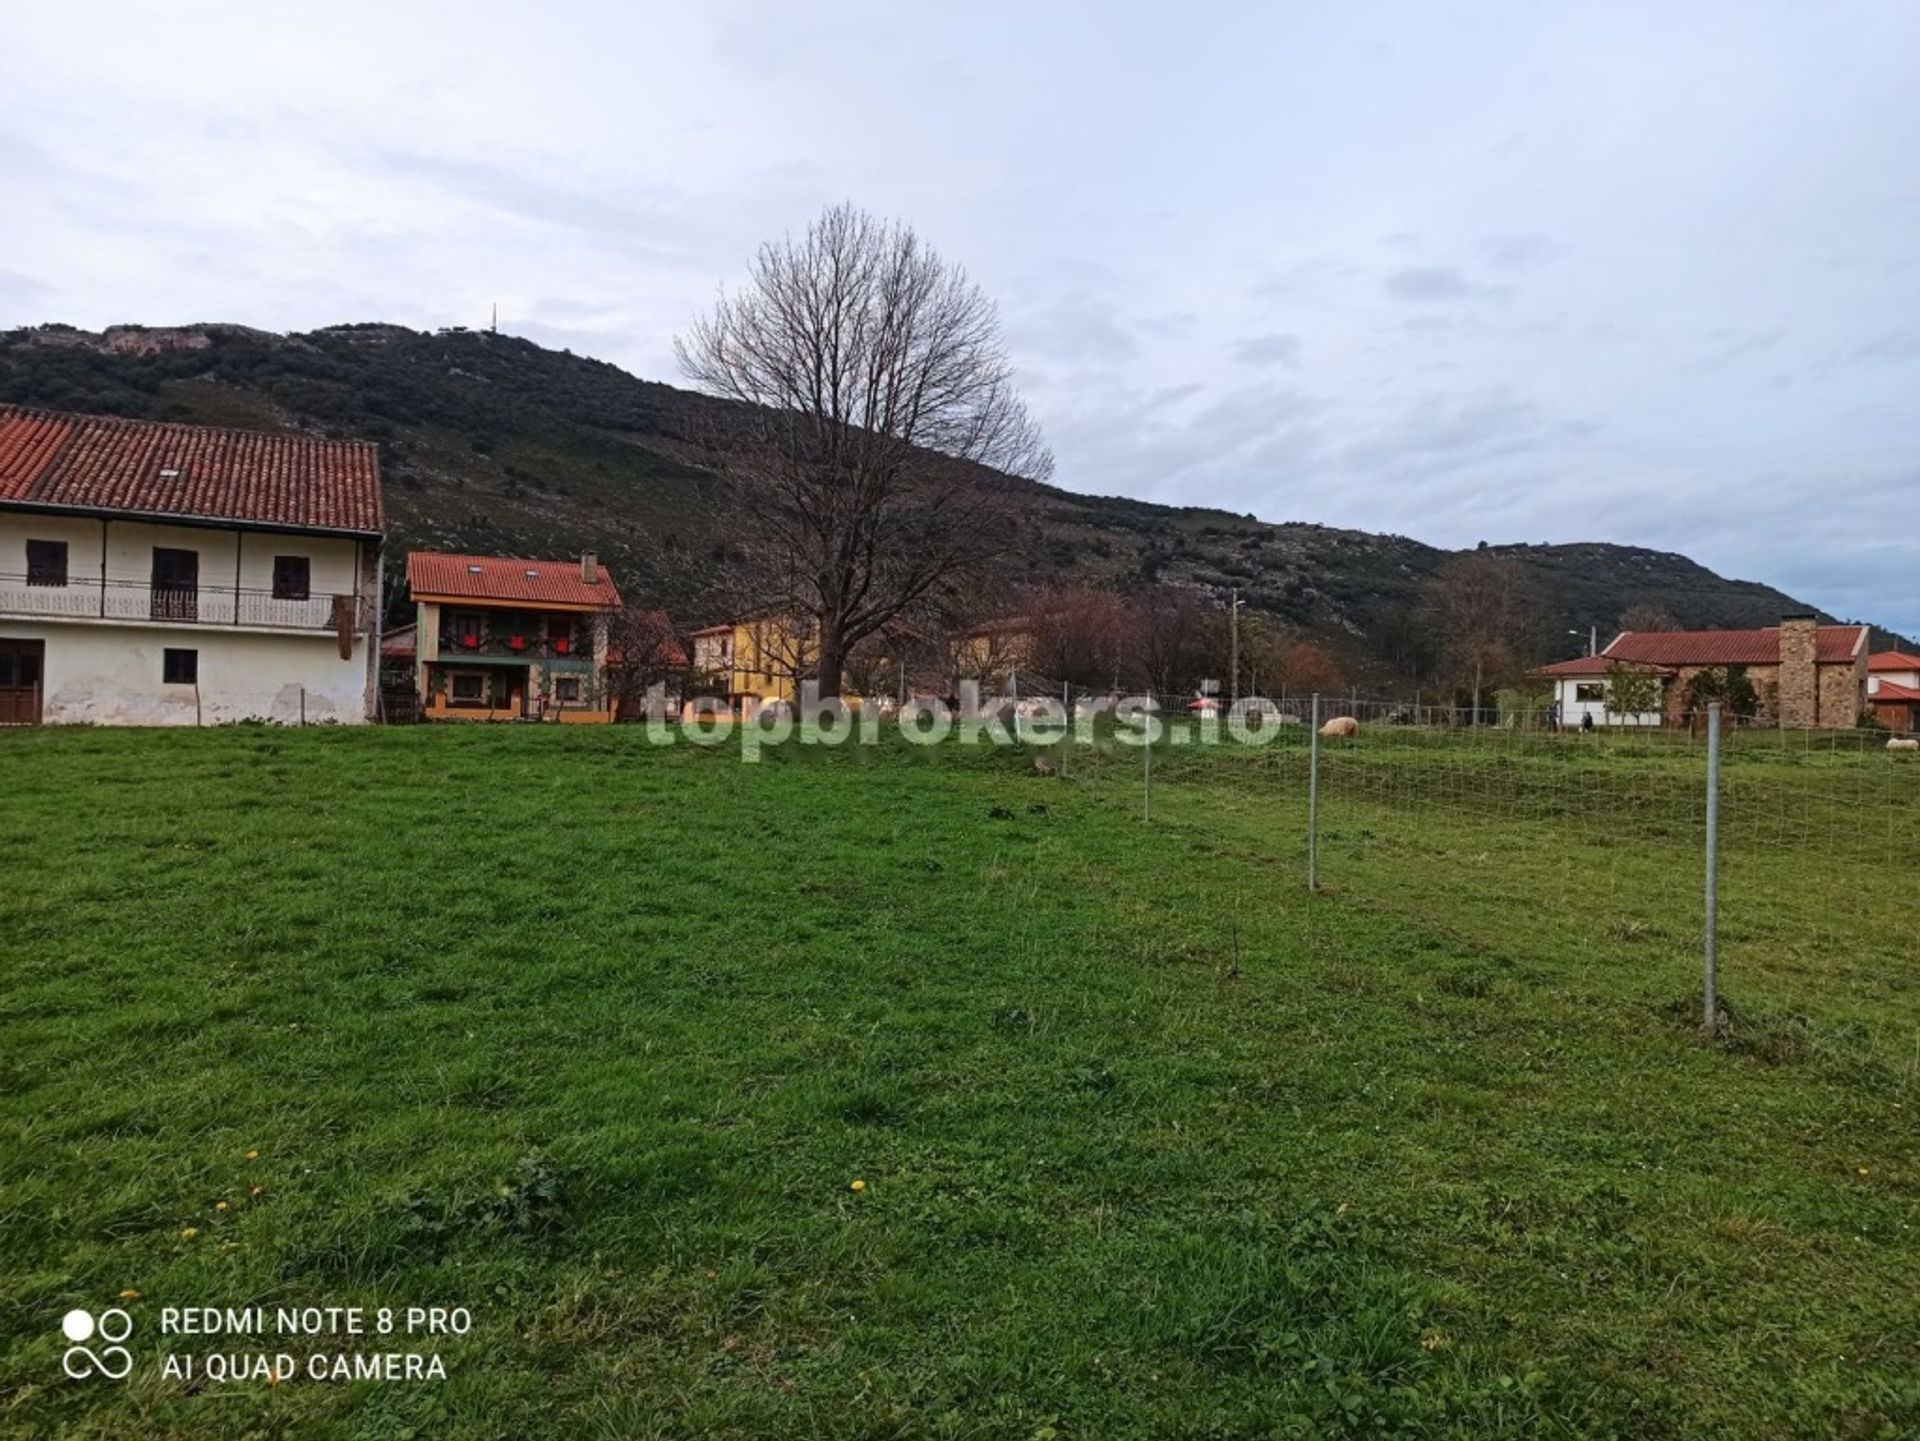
757	662
162	574
501	639
1805	675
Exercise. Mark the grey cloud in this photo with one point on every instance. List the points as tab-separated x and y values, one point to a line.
1522	251
1167	397
1272	349
1731	344
1448	432
1895	347
1168	326
1302	279
1158	446
655	221
19	293
1074	328
1254	412
1428	284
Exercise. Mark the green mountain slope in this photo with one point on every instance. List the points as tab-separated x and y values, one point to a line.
492	443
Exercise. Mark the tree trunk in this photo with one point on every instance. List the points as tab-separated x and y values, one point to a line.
833	658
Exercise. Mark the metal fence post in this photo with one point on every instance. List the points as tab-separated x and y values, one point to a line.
1146	780
1710	1016
1066	736
1313	797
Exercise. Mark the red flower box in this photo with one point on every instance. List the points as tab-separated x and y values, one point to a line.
471	642
519	642
562	646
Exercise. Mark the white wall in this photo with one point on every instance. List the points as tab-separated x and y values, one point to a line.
1892	677
111	675
130	545
1571	710
108	671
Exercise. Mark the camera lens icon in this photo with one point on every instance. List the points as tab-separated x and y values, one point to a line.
113	1360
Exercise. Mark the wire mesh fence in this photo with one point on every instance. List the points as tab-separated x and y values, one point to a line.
1567	851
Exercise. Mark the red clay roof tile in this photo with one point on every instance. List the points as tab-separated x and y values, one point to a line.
500	578
1596	665
1836	644
103	464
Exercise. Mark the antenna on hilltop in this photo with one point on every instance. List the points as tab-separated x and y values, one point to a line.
495	327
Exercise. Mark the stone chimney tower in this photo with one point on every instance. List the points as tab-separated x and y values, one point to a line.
1799	685
589	568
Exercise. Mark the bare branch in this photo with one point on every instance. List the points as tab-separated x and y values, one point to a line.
877	429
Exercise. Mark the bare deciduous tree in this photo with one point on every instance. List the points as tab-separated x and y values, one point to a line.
1487	616
1305	667
648	652
864	470
1175	642
1648	615
1079	635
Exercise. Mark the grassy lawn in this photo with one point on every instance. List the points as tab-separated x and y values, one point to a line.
594	1038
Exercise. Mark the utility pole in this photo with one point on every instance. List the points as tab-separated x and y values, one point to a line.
1233	686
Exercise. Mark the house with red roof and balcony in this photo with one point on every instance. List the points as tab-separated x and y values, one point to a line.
1803	674
1893	690
162	574
496	638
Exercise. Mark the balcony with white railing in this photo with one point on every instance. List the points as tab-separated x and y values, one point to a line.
135	602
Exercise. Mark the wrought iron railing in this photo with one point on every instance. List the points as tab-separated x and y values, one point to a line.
456	642
132	600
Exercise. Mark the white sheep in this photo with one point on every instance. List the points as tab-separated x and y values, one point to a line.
1904	743
1341	725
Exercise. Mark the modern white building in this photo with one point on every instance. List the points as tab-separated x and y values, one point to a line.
160	574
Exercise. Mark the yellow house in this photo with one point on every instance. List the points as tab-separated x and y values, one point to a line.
758	660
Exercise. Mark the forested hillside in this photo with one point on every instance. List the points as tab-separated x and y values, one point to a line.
492	443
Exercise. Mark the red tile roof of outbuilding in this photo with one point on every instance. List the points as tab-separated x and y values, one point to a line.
1893	660
1889	691
105	465
1663	650
1597	665
1836	644
499	578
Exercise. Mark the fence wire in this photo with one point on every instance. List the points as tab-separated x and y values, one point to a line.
1571	856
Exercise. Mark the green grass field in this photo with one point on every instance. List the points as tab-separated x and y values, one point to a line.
595	1038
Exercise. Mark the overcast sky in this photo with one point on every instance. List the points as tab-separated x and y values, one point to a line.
1640	273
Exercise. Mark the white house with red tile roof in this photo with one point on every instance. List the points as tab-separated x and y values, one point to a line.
162	574
1893	690
1804	674
503	639
1581	691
